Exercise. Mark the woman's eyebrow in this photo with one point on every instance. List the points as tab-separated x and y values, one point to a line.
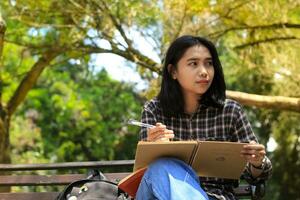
196	59
193	59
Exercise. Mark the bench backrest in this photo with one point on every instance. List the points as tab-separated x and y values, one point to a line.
15	175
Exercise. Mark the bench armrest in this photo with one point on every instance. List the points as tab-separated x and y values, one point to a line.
258	190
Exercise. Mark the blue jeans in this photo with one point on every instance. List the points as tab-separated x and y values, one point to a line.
170	179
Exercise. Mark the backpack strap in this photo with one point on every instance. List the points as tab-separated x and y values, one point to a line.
93	176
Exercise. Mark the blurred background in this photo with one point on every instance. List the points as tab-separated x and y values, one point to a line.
74	71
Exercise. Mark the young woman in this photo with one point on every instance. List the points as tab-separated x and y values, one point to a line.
192	105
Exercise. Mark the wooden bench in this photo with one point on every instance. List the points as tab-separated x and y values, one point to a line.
61	174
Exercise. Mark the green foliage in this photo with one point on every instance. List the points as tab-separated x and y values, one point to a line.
249	71
82	120
27	142
12	72
286	157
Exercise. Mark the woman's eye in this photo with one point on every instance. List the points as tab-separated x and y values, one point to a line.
193	64
209	63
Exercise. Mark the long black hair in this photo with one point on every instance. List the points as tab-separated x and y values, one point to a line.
170	96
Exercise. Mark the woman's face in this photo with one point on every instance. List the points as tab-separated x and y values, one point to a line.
195	71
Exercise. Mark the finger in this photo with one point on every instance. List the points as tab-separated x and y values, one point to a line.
255	155
158	124
256	152
248	152
160	137
168	134
159	132
157	128
163	139
152	134
252	158
167	131
153	131
253	147
261	153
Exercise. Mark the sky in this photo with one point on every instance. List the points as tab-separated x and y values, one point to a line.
117	67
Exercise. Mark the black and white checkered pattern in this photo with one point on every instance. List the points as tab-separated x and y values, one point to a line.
208	123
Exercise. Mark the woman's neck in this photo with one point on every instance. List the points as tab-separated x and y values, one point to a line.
191	104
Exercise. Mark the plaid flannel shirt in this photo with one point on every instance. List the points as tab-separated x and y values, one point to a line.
209	123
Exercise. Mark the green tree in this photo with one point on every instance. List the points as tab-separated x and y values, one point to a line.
47	32
77	116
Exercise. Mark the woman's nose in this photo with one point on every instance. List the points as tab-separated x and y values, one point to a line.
202	72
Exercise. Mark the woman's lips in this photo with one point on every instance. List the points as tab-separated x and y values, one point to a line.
202	81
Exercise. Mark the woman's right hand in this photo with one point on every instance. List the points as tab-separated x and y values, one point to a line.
159	133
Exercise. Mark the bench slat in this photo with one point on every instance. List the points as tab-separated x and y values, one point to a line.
67	165
65	179
41	180
29	196
52	195
36	180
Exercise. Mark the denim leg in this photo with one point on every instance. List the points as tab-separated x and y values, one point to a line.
170	179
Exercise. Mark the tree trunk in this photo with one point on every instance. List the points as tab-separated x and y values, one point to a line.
272	102
4	117
4	142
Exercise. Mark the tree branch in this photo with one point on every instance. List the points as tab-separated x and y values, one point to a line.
137	57
131	53
43	25
257	42
268	26
2	33
28	45
115	22
29	81
181	22
272	102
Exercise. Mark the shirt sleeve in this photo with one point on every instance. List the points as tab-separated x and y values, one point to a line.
242	127
148	117
244	133
266	172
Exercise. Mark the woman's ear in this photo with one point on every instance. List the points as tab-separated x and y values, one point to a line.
172	71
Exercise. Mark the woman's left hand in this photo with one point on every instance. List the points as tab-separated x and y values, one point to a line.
254	153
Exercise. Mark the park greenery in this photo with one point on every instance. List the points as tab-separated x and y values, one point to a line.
57	104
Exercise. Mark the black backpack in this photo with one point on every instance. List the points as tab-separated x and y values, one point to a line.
94	187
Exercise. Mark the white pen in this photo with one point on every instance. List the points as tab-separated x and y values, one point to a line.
141	124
